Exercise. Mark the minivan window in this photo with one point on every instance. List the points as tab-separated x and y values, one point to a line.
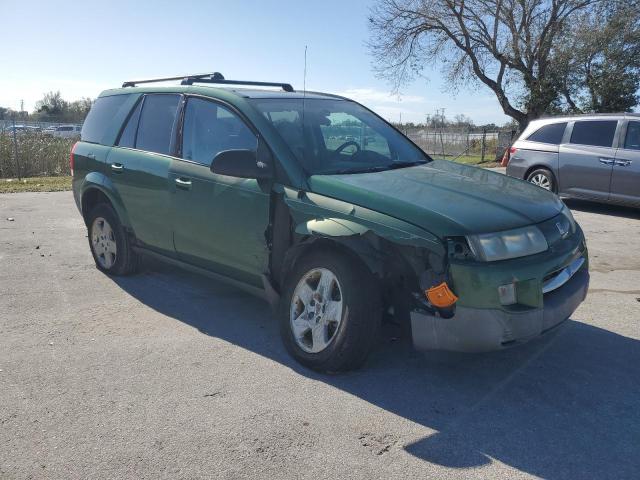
128	136
632	140
104	109
598	133
156	123
551	133
210	128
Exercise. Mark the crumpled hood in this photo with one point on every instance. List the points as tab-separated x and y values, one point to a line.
444	198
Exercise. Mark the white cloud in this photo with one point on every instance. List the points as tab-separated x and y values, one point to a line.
412	108
370	95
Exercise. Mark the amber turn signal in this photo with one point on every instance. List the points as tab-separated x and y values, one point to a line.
441	296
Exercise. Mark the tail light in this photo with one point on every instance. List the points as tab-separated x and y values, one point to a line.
72	161
507	156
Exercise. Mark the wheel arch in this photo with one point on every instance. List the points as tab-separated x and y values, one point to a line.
100	190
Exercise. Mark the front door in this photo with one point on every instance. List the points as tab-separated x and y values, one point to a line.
625	181
586	162
219	222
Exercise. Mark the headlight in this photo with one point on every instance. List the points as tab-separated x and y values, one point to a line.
515	243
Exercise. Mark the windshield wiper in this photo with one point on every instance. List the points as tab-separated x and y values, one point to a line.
395	165
377	168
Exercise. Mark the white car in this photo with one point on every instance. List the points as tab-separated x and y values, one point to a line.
67	131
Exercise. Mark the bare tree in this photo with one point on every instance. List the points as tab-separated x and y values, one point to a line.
507	45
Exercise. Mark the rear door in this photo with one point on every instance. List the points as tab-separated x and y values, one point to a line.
625	180
585	163
139	168
219	222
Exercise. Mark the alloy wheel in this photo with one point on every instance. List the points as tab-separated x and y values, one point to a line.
103	241
541	181
316	310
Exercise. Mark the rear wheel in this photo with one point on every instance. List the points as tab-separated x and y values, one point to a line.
330	312
110	245
542	178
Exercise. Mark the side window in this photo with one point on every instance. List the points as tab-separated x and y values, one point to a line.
102	112
210	128
598	133
128	136
632	140
156	123
551	133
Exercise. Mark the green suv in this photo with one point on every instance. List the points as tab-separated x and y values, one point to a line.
326	210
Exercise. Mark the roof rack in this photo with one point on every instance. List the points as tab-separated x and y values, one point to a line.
213	78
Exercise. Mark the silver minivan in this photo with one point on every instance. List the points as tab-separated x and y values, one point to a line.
594	157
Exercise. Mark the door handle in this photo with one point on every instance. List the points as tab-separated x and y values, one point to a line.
92	156
623	163
117	167
606	161
183	183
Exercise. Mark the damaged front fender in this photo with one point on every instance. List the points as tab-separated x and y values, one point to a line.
315	214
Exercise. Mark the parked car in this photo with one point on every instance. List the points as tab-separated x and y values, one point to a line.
221	180
67	131
594	157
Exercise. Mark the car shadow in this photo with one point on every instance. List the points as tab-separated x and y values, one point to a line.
565	406
602	208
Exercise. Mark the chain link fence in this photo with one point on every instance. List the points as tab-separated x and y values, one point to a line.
35	149
462	145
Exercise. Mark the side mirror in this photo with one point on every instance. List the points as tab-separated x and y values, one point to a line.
244	163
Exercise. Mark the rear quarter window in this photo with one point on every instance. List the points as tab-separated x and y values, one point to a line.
551	133
597	133
102	113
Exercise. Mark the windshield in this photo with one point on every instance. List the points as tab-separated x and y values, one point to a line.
339	136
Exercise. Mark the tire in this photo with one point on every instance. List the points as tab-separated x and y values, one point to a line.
109	243
542	178
351	298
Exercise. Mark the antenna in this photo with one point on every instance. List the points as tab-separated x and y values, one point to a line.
304	88
304	80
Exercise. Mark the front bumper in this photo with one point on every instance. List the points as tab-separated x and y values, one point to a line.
486	329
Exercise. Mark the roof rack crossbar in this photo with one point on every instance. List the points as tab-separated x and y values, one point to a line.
284	86
213	78
184	78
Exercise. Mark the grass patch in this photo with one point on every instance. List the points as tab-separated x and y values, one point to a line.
35	184
475	160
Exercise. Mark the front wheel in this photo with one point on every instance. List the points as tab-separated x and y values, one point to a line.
330	311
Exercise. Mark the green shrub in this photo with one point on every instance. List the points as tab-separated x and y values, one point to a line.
39	155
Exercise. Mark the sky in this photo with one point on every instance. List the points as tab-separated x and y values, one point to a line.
84	47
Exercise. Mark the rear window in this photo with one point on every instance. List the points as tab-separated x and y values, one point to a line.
597	133
551	133
632	141
102	112
156	123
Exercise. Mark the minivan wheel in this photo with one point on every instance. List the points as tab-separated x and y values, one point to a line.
110	245
542	178
330	312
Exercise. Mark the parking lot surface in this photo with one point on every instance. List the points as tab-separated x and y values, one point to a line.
166	374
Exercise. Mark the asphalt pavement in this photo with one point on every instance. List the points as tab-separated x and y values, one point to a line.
166	374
